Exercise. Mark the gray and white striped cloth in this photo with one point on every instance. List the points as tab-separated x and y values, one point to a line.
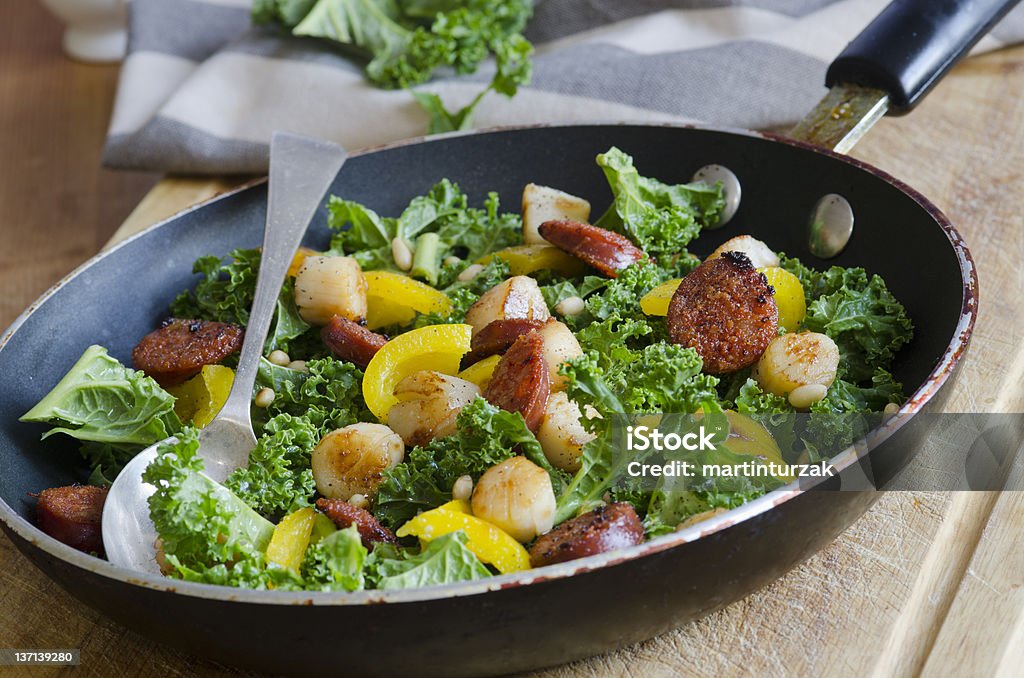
201	89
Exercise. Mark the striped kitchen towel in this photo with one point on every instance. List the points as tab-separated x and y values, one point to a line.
202	89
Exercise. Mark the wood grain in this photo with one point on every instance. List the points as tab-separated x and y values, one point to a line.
57	206
925	583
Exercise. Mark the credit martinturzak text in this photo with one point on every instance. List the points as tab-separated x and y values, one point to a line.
644	438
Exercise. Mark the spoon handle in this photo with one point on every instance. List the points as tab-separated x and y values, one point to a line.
301	171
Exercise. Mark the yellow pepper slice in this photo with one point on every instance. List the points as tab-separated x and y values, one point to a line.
656	301
435	347
751	438
789	296
200	398
290	540
480	372
489	543
526	259
392	298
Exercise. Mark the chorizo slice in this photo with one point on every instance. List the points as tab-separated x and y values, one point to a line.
606	528
496	337
72	515
521	381
348	340
725	310
344	514
179	349
605	250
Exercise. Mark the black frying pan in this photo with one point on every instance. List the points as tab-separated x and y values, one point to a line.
530	619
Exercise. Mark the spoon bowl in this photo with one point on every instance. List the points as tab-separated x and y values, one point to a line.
301	171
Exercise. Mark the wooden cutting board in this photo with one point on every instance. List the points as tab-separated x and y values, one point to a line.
925	583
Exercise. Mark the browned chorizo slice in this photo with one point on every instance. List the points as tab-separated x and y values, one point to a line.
496	337
605	250
350	341
521	382
344	514
725	310
606	528
180	348
72	515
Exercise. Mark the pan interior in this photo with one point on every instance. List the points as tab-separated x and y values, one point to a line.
124	294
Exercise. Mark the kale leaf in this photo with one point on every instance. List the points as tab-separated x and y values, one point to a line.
114	410
405	43
335	563
444	560
661	218
207	533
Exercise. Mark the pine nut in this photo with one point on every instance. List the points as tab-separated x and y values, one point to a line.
359	501
279	358
299	365
265	397
452	260
463	488
402	254
470	272
569	306
804	396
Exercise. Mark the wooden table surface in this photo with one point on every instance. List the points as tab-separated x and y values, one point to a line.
925	583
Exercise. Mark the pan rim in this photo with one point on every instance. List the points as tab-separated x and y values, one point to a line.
30	534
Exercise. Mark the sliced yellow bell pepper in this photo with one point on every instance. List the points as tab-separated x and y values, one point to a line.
789	296
656	301
489	543
480	372
200	398
290	540
392	298
527	259
434	347
751	438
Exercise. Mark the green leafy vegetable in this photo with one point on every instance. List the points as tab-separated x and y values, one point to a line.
660	218
114	410
445	560
328	394
405	43
226	292
848	412
278	478
865	320
441	221
335	563
207	533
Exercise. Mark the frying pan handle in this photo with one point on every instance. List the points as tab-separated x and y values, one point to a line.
907	49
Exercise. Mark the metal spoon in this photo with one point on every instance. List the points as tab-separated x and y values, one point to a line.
301	171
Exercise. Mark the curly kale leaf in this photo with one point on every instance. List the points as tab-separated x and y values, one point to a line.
406	43
848	412
468	233
328	394
661	218
659	378
444	560
207	533
335	563
865	320
226	292
278	478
